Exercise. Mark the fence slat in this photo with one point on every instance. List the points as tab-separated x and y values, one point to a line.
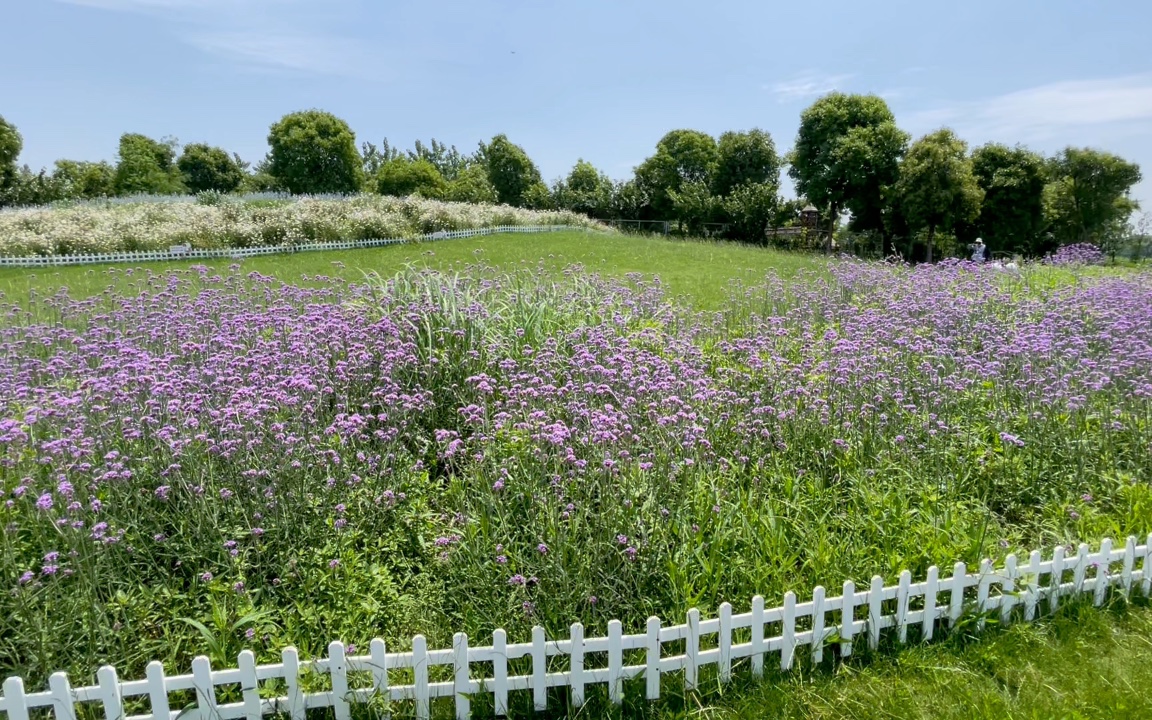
902	592
295	700
63	703
931	588
788	632
1056	577
205	689
817	615
461	676
757	636
652	659
956	594
615	662
847	618
692	649
1081	569
539	668
13	701
983	588
338	671
110	692
1103	573
725	642
420	681
1033	594
500	672
1129	563
378	652
875	611
1008	589
576	675
249	685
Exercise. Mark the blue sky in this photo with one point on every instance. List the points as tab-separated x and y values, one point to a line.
593	79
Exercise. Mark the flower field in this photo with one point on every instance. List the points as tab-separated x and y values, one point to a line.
216	460
225	222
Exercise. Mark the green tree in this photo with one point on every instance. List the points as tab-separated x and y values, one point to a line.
402	177
847	153
471	186
32	188
750	208
937	187
682	157
147	166
1012	215
206	168
10	146
1087	199
745	158
586	190
313	152
510	170
447	160
80	179
630	201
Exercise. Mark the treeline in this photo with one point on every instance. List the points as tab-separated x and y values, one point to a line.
876	190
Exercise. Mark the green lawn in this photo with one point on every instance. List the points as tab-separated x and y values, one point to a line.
1083	663
697	269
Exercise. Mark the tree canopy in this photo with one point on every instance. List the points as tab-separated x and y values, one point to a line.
1088	196
510	170
314	152
402	177
1012	214
206	168
937	187
147	167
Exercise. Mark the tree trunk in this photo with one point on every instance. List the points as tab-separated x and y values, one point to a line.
931	240
832	215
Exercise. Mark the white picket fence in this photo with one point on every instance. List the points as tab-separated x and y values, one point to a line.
1013	592
187	253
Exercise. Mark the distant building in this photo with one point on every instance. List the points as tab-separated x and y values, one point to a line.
805	233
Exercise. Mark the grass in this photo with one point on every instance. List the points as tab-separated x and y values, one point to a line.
1084	663
696	271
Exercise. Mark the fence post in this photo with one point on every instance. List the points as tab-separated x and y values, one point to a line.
1033	594
576	657
847	618
1129	562
539	670
615	662
652	659
338	671
62	701
982	590
1008	589
956	596
875	611
1056	577
818	632
757	636
500	672
13	701
1146	567
249	686
931	588
691	649
420	677
725	642
1103	575
902	592
205	690
788	632
461	676
378	651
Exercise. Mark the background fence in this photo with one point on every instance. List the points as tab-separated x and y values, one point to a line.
1017	591
188	253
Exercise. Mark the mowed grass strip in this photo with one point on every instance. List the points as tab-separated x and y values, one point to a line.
696	271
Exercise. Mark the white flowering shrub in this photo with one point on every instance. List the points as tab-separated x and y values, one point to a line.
95	228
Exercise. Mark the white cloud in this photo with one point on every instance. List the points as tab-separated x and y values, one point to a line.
258	34
1047	111
806	86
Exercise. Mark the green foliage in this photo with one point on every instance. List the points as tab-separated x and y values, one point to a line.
472	186
585	190
1088	199
260	180
745	158
937	187
682	156
847	152
314	152
751	208
147	167
32	188
630	201
80	179
448	161
539	197
510	170
209	168
693	205
1012	215
403	177
11	143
